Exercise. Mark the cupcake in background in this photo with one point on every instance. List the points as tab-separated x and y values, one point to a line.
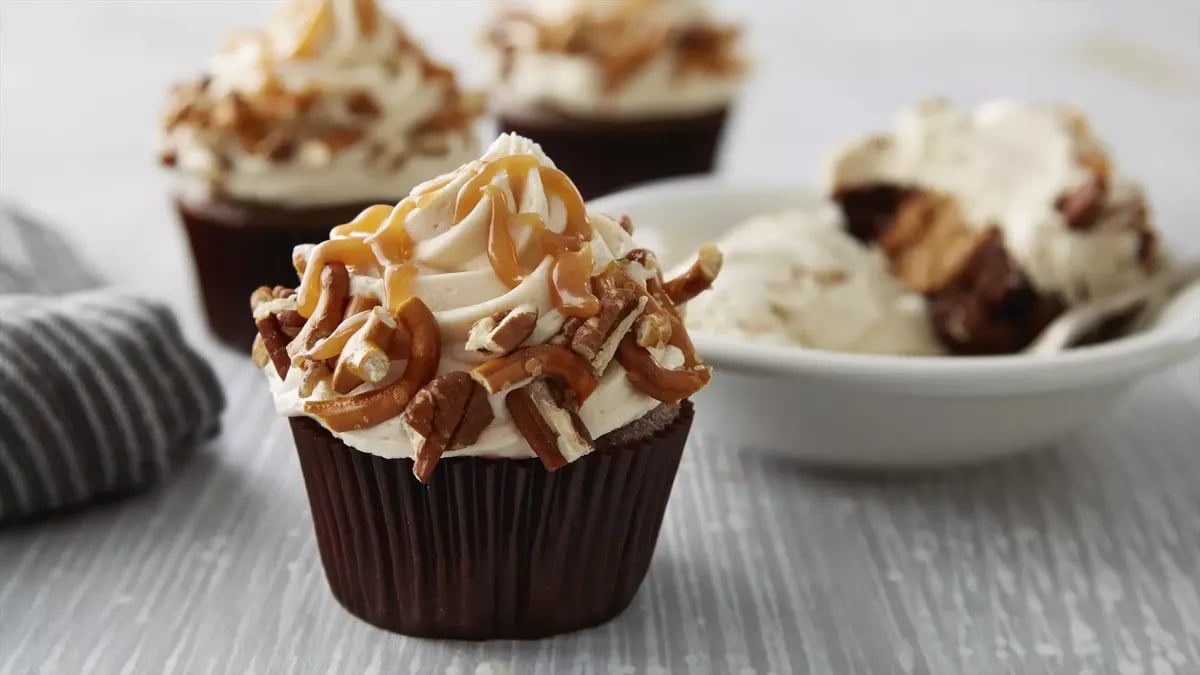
299	126
617	91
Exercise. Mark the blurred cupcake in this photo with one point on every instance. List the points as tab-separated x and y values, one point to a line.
327	110
487	385
618	91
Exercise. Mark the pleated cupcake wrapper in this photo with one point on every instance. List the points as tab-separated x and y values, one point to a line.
234	258
603	156
490	548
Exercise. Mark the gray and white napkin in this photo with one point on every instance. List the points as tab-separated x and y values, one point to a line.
99	392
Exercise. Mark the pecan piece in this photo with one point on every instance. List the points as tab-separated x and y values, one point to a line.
597	337
626	224
501	333
448	413
550	423
537	362
1081	206
697	278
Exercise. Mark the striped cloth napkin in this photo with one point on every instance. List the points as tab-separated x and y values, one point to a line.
99	392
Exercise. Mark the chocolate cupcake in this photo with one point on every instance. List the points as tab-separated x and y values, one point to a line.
1002	216
487	385
329	109
618	92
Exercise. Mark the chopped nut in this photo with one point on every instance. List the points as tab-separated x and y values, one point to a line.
597	337
500	334
362	103
1081	207
626	224
448	413
550	424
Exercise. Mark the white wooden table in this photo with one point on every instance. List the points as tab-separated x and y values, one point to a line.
1080	559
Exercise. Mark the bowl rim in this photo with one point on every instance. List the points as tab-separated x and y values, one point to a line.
1174	339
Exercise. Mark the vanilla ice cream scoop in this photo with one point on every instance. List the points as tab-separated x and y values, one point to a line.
798	278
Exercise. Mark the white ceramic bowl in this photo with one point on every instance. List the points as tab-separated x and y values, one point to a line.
855	410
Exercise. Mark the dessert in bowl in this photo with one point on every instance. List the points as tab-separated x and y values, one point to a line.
617	91
891	335
328	109
488	387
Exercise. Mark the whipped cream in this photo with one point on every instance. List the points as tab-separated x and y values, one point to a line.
456	281
575	75
330	103
1008	163
797	278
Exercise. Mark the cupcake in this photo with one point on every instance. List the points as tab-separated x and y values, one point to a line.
488	388
1002	216
619	92
329	109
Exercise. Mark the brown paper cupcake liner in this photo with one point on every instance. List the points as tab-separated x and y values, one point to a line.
238	247
490	548
603	157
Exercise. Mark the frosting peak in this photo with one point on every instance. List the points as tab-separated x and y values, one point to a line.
331	102
494	282
626	58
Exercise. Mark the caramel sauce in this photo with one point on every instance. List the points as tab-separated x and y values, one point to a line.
368	16
377	237
397	286
315	27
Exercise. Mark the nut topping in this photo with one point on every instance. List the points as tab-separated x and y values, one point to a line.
448	413
501	333
697	278
597	337
550	423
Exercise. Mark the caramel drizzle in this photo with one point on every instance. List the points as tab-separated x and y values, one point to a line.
376	238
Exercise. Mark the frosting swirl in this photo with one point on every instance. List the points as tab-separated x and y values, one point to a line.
622	59
502	241
330	103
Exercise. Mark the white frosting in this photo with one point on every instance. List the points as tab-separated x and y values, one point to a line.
574	83
384	164
457	282
1007	163
797	278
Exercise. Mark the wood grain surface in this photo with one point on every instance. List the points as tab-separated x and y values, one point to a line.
1081	559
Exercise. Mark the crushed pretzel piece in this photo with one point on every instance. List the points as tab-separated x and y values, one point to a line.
550	423
300	256
653	328
314	373
501	333
372	407
697	278
332	346
364	357
360	303
537	362
448	413
259	297
276	343
652	379
335	287
258	352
